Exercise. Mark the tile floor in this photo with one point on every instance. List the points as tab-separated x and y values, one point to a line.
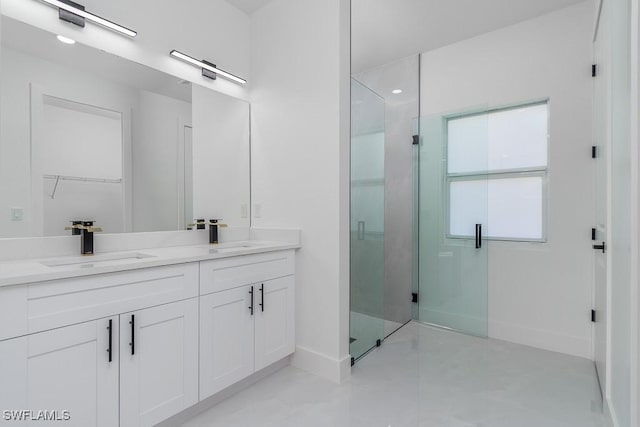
422	376
365	330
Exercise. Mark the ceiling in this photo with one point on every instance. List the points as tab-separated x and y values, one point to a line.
248	6
386	30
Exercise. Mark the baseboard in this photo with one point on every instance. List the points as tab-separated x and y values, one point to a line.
336	370
455	321
208	403
544	339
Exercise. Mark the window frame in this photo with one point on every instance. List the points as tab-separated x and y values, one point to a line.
539	171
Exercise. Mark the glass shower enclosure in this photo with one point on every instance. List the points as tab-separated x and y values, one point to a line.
367	219
452	210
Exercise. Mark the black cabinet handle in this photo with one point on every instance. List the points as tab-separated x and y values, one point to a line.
132	322
262	297
478	236
251	306
602	247
110	349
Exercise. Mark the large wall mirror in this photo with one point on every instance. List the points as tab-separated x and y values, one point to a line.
87	135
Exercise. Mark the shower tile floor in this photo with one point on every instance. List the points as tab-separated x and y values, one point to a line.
423	376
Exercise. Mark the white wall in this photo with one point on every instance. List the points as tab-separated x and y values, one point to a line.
208	29
300	162
635	210
64	127
157	139
622	24
22	78
539	294
148	165
220	157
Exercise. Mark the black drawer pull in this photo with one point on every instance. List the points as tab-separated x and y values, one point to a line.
132	322
251	306
110	349
262	297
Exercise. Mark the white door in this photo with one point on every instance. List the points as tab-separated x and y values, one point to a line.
275	333
158	362
226	338
602	132
66	369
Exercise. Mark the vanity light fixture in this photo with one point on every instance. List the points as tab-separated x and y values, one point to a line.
66	40
396	91
209	70
75	14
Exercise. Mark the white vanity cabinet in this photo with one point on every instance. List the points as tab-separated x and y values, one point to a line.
65	369
87	367
246	317
133	348
158	362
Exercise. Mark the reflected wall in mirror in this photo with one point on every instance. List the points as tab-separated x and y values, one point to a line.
86	135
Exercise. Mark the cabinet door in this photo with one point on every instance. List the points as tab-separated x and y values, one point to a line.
226	339
275	333
158	362
66	370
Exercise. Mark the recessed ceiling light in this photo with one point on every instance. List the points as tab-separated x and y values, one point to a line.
66	40
396	91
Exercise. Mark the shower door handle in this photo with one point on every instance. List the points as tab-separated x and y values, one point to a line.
360	230
478	236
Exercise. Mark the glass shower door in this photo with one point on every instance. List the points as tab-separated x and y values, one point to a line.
367	219
452	222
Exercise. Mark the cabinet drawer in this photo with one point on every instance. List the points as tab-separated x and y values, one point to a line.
222	274
58	303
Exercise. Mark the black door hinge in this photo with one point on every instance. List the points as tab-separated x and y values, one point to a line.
594	70
594	152
414	297
416	140
378	342
353	361
593	316
593	233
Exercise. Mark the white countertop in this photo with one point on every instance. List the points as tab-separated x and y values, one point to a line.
39	270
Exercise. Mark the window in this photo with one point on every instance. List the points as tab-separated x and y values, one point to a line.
497	173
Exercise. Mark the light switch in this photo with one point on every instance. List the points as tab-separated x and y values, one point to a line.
257	208
16	214
244	210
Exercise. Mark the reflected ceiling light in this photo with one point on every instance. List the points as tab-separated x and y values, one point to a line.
65	40
209	70
75	14
396	91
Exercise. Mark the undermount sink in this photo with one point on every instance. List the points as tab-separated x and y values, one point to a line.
232	247
96	260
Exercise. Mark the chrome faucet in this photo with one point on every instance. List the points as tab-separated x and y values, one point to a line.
86	229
